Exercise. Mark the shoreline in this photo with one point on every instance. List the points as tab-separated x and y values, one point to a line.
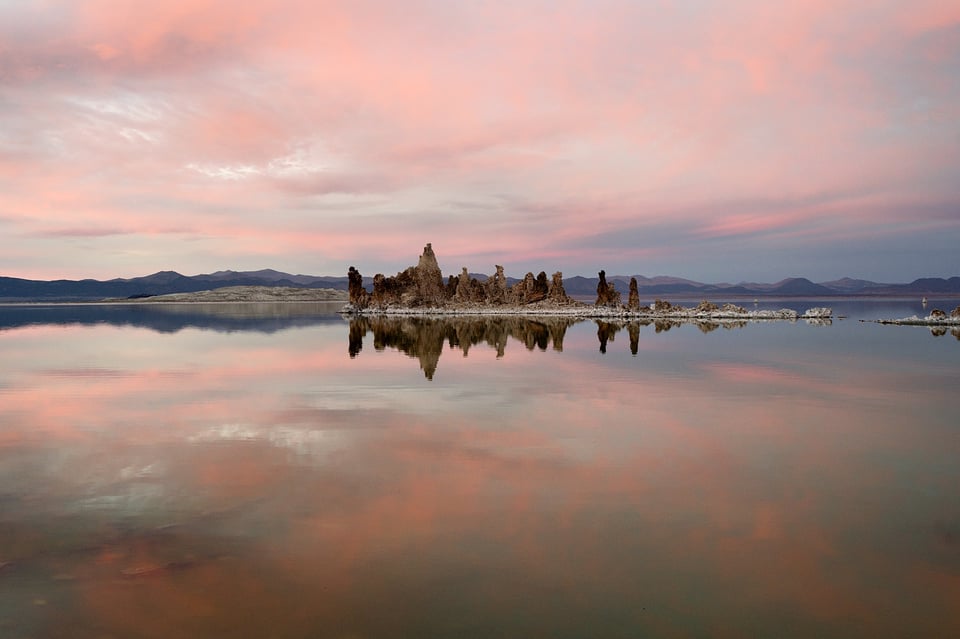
594	312
678	297
936	317
916	321
239	295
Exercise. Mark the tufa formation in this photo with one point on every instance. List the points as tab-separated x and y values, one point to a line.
422	286
607	295
421	289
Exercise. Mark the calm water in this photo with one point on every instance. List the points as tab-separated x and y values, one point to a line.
276	471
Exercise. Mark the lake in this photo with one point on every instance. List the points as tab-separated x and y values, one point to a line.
278	471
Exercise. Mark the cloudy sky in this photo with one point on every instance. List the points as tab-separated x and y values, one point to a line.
721	140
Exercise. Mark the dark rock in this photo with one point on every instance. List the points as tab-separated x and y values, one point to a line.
420	285
358	295
452	283
662	306
399	290
557	292
607	295
495	287
429	279
633	299
463	291
529	290
540	287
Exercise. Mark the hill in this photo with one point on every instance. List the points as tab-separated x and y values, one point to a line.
167	282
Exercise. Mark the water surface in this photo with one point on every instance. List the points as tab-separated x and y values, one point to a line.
282	472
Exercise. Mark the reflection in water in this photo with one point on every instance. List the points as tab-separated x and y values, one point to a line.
265	317
606	331
423	337
940	331
778	481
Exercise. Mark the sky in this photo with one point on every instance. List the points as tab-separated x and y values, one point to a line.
718	140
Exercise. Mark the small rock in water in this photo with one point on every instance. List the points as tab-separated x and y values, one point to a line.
733	308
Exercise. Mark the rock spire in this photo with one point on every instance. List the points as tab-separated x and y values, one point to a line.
423	286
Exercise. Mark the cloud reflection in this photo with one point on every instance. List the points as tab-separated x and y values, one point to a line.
250	484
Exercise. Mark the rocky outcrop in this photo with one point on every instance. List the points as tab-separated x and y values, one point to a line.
633	299
429	279
733	309
529	290
495	288
540	288
399	290
557	292
465	289
936	317
607	295
422	286
420	290
358	295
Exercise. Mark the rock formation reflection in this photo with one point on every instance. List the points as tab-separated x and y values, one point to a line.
940	331
423	337
606	332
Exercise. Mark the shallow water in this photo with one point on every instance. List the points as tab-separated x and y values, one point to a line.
277	471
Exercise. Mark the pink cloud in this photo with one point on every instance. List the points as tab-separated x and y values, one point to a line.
235	121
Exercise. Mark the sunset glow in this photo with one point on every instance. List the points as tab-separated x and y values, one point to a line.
720	141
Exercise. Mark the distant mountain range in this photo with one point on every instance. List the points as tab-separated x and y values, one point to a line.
22	290
790	287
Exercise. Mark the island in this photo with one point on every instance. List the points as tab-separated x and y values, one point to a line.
935	318
938	321
421	290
